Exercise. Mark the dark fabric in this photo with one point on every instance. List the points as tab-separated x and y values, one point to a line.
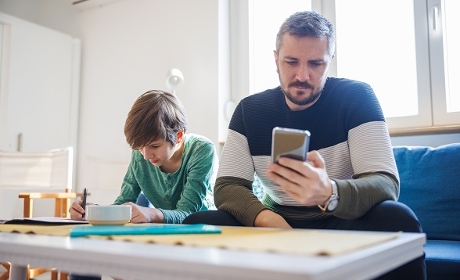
430	186
81	277
143	201
442	259
212	217
385	216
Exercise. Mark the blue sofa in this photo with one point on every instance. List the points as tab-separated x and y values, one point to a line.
430	186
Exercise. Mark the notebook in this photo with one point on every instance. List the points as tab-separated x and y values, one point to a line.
156	229
50	221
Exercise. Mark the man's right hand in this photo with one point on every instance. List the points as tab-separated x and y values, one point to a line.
268	218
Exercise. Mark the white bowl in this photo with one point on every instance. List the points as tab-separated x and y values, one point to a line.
108	214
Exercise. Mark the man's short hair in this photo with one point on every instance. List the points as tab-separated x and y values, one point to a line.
307	24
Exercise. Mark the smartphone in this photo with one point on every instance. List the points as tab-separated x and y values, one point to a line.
288	142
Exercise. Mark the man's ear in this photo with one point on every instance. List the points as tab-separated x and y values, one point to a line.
275	54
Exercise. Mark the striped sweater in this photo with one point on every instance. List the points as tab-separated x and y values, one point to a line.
347	128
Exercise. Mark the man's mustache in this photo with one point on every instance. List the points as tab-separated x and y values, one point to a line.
301	84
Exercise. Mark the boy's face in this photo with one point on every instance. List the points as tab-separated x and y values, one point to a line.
158	152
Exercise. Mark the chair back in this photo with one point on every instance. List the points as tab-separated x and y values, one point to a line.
49	171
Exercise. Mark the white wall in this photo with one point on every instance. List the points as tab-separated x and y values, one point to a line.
127	48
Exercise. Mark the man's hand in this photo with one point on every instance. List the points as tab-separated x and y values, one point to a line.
142	214
305	182
267	218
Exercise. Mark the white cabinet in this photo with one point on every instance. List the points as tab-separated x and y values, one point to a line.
39	87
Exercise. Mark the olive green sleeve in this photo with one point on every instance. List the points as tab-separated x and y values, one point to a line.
360	194
235	196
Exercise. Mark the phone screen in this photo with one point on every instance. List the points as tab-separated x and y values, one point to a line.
288	142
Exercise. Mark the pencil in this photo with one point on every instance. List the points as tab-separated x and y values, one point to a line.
83	204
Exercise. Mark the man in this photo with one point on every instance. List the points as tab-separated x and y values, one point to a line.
350	180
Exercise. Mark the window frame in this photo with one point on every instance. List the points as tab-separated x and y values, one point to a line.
439	90
432	102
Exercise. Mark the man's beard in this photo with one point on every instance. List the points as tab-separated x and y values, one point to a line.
309	100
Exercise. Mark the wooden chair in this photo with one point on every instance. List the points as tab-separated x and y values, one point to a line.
31	176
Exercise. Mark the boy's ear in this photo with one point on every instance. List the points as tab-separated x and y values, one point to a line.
180	135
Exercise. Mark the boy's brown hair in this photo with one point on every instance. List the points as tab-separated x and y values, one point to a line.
155	115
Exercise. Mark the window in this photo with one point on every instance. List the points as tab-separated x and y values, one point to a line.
365	43
401	48
452	56
405	49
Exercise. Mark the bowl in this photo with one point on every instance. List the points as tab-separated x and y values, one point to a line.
108	214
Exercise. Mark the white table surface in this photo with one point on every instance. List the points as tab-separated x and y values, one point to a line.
129	260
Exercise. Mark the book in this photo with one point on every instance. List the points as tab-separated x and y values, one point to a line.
152	229
50	221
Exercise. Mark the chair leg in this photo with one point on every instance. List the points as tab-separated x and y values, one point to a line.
34	272
28	207
61	207
5	274
63	276
54	275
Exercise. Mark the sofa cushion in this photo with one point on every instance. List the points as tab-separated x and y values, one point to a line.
430	186
442	259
